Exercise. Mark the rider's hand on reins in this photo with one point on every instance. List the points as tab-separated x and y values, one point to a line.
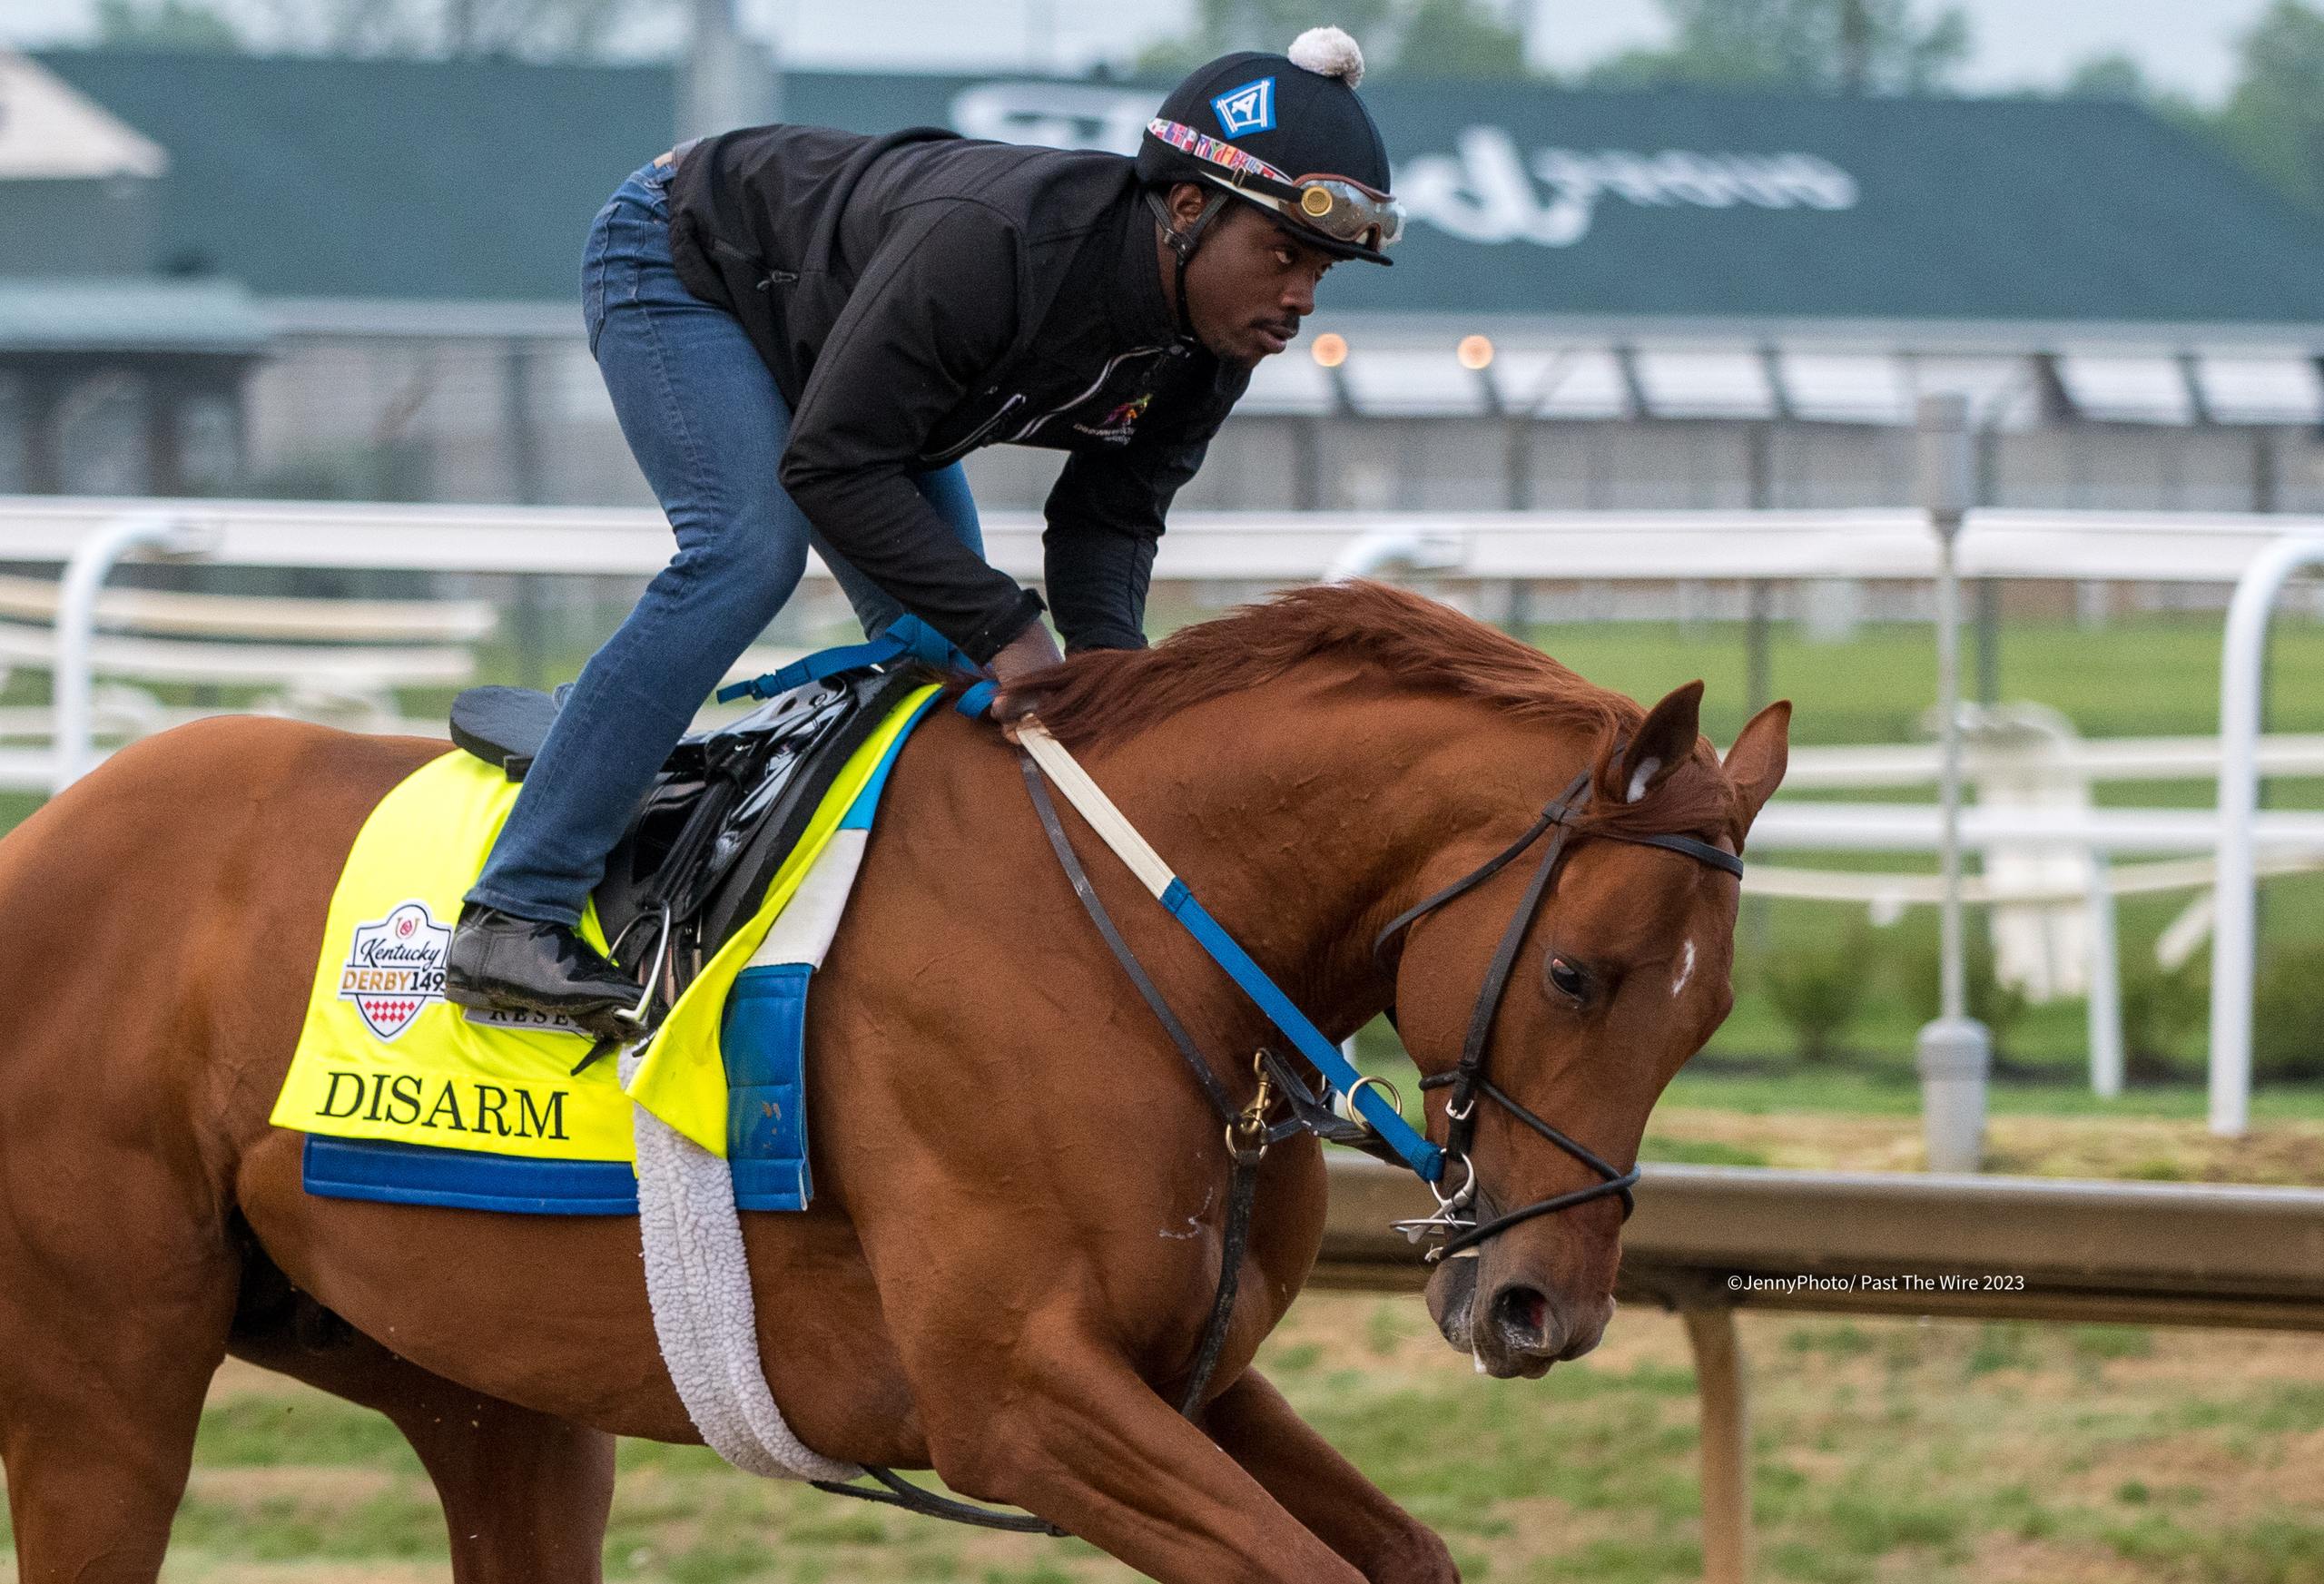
1029	650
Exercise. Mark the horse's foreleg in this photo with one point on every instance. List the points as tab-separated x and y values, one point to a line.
115	1304
97	1447
1254	1426
1088	1445
525	1495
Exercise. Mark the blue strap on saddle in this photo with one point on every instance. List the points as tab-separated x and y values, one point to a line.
907	638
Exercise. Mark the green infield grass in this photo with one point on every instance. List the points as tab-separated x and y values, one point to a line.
1944	1452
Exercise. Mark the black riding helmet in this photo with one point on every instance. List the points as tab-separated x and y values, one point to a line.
1285	132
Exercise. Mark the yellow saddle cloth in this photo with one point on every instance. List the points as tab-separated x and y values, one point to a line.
407	1098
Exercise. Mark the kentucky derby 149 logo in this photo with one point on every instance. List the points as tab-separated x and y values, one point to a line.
395	967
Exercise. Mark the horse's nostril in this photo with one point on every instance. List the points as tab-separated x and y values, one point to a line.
1522	1316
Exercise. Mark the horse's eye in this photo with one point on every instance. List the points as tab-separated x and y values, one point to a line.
1567	980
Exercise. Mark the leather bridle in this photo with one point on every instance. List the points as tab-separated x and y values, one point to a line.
1467	1079
1249	1130
1250	1133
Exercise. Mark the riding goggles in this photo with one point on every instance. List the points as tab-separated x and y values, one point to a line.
1339	207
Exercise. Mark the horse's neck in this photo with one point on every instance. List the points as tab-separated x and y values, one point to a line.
1302	818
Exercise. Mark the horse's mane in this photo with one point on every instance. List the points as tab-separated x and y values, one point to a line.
1410	643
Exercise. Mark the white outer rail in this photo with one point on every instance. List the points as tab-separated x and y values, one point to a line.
1799	825
1914	764
2233	928
1383	549
93	558
1251	546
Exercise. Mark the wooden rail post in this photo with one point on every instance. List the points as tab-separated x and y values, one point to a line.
1726	1443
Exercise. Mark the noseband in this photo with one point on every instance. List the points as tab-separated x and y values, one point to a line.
1467	1080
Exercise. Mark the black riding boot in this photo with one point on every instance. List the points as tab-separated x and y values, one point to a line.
501	962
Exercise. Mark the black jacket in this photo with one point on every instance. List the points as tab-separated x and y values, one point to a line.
919	295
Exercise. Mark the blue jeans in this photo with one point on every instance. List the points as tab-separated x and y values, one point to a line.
703	416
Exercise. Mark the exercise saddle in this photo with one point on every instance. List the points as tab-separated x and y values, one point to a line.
724	810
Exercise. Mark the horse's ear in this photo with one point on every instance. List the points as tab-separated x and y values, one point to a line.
1756	764
1665	740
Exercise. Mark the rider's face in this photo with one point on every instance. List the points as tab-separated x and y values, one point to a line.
1250	282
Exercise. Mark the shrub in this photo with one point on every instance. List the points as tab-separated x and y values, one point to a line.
1997	1006
1817	994
2162	1010
2288	1016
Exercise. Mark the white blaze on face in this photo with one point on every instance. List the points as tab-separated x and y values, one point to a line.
1686	969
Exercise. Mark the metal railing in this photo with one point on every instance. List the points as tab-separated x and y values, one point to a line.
2233	932
1250	546
1706	1241
90	536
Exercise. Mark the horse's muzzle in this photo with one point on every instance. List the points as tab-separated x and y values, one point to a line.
1514	1326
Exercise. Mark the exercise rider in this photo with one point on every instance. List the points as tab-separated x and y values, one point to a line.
868	311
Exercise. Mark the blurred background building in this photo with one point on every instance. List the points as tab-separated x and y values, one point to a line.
318	275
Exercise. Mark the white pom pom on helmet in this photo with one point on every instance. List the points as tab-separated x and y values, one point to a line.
1329	52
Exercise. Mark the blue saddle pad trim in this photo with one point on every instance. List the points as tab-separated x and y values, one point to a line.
867	800
390	1173
763	1043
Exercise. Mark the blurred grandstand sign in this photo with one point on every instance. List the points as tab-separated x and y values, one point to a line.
1677	206
1489	189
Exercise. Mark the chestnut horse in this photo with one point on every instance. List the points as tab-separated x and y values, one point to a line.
996	1279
